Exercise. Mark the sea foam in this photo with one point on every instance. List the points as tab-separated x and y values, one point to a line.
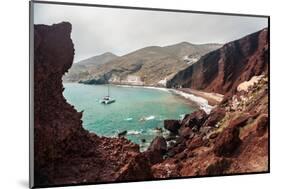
149	117
128	119
201	102
133	132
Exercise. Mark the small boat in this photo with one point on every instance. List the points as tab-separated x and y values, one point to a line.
107	99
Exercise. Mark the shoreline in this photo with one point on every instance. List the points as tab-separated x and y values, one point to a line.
202	100
212	98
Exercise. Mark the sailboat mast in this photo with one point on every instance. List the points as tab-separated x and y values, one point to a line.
107	89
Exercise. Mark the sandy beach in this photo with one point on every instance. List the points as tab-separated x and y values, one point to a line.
213	98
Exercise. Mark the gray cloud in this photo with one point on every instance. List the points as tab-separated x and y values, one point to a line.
97	30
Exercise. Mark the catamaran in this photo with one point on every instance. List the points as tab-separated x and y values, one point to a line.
107	99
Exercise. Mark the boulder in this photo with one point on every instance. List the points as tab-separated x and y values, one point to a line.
185	132
214	117
171	137
123	133
262	125
172	125
158	144
195	119
138	168
156	150
218	167
240	121
176	149
196	142
227	142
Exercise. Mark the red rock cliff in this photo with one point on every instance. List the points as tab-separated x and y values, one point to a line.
222	70
64	152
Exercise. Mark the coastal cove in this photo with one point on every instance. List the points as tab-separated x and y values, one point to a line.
139	110
210	118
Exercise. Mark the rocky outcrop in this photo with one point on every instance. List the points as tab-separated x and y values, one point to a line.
65	153
233	138
215	116
227	142
222	70
172	125
158	144
195	119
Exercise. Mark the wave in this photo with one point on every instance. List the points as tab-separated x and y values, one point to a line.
128	119
201	102
134	132
181	116
149	117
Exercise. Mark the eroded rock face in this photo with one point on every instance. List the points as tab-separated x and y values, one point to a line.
222	70
172	125
227	142
233	138
158	144
195	119
65	153
215	116
156	150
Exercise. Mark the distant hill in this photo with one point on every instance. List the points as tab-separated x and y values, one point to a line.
147	66
82	69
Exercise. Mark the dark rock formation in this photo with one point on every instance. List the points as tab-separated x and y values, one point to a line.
172	125
215	116
137	167
240	121
222	70
219	167
233	138
158	144
123	133
262	125
185	132
156	150
227	142
65	153
196	142
195	119
237	144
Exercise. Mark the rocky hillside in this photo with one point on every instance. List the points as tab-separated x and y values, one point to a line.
83	69
149	66
233	138
65	153
222	70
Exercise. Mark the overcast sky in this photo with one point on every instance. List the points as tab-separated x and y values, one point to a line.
97	30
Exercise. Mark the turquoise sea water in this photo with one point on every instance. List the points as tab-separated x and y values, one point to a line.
137	110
